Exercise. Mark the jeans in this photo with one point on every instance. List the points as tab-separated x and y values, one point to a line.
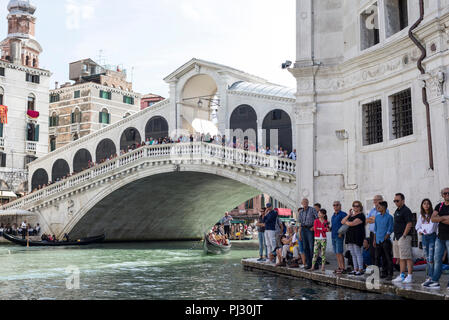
270	241
308	238
372	250
227	231
262	245
440	248
428	243
384	253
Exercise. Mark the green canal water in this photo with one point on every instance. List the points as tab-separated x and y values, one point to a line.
149	271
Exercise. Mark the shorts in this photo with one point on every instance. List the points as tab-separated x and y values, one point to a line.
338	245
402	249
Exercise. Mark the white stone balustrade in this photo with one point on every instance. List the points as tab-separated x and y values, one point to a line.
209	154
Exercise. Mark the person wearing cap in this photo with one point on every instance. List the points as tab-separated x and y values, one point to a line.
269	222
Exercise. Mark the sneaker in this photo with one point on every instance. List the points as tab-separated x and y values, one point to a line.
425	284
408	280
400	278
260	260
358	274
432	285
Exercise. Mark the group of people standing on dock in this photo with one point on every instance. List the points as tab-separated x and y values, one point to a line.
389	242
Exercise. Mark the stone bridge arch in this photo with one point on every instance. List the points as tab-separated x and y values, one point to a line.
166	203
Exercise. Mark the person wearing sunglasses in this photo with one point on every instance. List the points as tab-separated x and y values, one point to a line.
402	244
440	216
337	239
355	236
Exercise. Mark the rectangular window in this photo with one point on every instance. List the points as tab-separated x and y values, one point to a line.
2	72
2	160
32	78
29	159
52	144
128	100
77	94
1	130
401	114
396	16
369	27
54	98
105	95
1	99
372	114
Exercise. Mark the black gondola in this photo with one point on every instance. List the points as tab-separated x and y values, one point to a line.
80	242
215	248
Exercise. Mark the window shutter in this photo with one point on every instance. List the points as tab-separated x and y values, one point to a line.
109	118
1	130
36	135
101	117
73	117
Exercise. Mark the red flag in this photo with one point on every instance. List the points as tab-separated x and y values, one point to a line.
3	114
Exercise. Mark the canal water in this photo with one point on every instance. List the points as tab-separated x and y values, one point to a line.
149	271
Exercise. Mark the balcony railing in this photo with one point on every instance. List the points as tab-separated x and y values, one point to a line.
179	153
31	147
2	143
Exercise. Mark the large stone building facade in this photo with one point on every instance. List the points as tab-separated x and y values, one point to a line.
361	120
24	90
100	96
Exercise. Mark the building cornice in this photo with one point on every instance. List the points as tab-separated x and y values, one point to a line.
94	85
34	71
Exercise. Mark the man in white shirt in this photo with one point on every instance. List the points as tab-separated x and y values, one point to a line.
24	229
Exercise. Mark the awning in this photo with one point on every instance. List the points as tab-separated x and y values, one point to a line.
7	194
13	213
285	212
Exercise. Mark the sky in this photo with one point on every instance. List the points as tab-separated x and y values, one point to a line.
152	38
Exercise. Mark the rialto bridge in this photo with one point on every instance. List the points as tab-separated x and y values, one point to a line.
170	191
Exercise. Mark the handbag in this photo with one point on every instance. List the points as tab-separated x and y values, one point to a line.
343	230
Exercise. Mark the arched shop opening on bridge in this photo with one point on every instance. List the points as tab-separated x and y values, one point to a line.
61	169
244	124
81	160
156	128
199	107
129	139
39	179
105	149
277	130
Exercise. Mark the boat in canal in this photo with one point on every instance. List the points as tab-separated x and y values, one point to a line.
211	247
79	242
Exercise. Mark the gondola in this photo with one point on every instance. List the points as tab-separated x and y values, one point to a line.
80	242
214	248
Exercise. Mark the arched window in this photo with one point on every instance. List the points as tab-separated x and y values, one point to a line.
52	144
105	149
76	116
156	128
105	117
27	61
34	63
60	170
81	160
31	102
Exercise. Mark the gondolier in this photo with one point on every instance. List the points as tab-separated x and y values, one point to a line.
226	222
24	229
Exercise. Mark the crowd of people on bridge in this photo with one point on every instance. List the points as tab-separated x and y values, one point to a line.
207	138
388	246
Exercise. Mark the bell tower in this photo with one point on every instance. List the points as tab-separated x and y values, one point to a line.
20	46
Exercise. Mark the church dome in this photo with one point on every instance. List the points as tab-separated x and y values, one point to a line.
21	7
